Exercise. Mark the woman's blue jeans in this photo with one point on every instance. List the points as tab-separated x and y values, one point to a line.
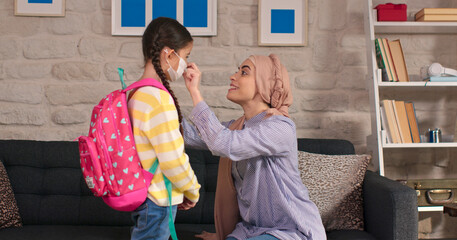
151	221
261	237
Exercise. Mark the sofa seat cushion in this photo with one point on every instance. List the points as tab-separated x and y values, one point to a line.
73	232
349	234
68	232
188	231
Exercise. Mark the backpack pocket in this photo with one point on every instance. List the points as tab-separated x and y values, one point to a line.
91	166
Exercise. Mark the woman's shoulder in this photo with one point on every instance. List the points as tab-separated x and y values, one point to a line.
280	119
279	125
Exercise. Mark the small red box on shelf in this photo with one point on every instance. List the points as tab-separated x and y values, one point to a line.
391	12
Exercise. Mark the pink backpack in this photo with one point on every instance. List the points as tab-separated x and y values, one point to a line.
108	157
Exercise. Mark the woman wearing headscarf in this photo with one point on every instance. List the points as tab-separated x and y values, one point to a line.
259	192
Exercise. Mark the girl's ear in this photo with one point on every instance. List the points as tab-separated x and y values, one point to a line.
167	51
165	54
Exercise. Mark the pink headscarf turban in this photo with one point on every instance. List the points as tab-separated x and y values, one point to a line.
273	84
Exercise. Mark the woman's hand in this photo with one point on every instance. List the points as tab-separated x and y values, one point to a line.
207	236
186	204
192	79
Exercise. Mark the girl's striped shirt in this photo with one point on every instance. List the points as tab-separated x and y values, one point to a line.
156	130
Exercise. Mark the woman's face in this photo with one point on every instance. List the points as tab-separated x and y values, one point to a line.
242	84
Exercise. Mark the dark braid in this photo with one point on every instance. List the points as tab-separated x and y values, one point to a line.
164	32
156	63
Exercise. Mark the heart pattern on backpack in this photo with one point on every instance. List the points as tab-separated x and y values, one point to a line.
109	153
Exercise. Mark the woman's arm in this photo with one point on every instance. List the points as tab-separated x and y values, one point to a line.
272	137
191	137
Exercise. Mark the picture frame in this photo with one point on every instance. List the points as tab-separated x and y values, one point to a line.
48	8
131	17
283	23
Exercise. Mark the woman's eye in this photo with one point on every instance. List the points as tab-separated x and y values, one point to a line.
243	73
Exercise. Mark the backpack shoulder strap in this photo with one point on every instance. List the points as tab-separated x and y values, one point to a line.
145	82
154	166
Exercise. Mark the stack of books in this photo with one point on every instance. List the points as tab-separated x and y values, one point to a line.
391	60
398	119
437	15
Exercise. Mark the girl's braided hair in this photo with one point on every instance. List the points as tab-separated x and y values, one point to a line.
164	32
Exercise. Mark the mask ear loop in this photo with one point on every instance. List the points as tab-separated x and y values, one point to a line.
166	51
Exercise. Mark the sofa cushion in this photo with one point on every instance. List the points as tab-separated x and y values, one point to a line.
9	212
349	234
335	186
49	188
67	232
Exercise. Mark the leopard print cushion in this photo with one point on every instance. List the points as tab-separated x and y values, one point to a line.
335	186
9	212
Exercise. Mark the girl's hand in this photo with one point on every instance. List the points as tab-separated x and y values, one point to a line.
186	204
192	77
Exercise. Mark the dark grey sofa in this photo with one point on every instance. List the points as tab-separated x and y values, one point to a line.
55	203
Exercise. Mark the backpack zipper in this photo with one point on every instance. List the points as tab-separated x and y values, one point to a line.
102	141
119	145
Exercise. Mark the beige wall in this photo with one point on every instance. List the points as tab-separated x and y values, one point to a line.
53	70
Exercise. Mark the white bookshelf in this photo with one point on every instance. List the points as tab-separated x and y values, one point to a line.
377	142
417	84
415	27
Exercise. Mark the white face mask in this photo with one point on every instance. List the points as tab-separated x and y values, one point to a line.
175	74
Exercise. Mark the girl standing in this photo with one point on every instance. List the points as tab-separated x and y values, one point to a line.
156	118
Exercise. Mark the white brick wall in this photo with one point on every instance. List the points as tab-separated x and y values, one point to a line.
53	70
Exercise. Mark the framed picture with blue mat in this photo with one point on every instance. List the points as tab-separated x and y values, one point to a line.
51	8
283	23
131	17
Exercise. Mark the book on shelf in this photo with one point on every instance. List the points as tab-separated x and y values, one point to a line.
441	79
390	62
440	11
437	18
436	14
391	123
382	60
402	121
398	60
385	124
412	119
398	119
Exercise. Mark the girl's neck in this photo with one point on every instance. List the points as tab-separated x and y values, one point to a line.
150	72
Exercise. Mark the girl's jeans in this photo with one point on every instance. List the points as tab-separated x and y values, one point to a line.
151	221
261	237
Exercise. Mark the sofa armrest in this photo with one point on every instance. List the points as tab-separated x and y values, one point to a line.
390	208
